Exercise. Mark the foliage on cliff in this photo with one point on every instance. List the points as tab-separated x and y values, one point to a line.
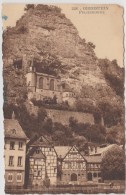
43	34
76	133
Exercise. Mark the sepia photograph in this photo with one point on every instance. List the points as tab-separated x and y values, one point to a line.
63	91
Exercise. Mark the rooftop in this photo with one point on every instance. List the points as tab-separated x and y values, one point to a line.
36	153
41	141
93	159
62	150
12	129
101	150
46	75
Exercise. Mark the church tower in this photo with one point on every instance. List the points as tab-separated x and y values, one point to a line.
31	77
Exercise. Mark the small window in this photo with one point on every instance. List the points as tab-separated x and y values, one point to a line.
99	174
11	159
54	170
19	177
37	151
49	149
39	173
95	174
20	145
13	131
5	145
79	165
10	177
12	144
69	165
35	172
19	161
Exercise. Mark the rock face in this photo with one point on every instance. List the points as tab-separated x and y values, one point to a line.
44	32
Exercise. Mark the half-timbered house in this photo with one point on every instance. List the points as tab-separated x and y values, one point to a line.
37	167
94	168
44	155
73	167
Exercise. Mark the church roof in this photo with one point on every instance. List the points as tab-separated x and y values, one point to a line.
12	129
62	150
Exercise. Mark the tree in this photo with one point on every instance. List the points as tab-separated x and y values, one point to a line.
8	110
54	99
58	136
30	122
42	114
29	6
48	125
113	164
110	139
115	134
73	123
91	45
111	113
46	181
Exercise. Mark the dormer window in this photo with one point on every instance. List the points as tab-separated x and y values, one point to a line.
13	131
41	140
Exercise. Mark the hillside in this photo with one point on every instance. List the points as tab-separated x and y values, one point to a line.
45	35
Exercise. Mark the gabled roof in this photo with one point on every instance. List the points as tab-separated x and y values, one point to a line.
32	153
12	129
93	159
62	150
41	141
74	149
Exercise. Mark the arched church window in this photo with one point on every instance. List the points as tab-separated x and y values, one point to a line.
41	83
52	84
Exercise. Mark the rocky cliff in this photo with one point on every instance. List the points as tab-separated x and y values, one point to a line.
45	34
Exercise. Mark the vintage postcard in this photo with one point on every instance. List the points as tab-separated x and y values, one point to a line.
63	76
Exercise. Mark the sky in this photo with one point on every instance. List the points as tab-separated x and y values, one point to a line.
104	30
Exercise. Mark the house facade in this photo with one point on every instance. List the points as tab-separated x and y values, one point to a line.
74	167
94	168
42	163
14	153
37	167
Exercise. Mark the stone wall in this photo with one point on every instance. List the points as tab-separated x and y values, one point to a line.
63	116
